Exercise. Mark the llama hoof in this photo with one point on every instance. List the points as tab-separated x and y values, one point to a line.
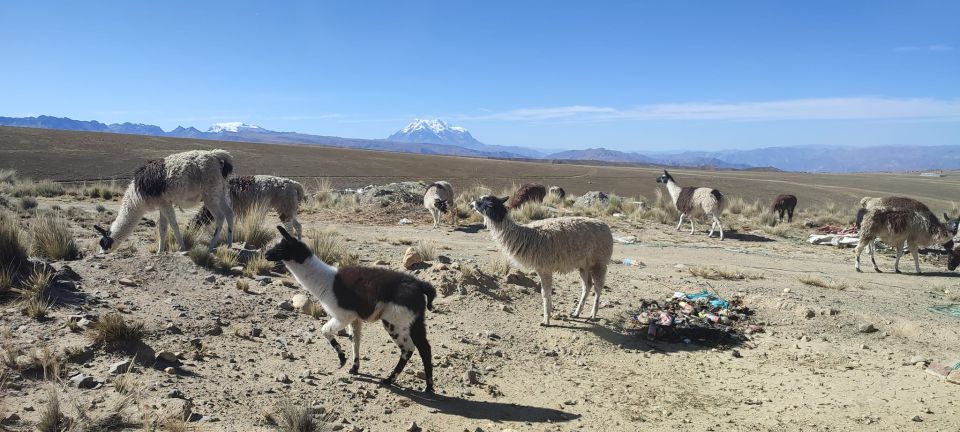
544	324
184	253
897	271
386	382
877	270
343	360
354	370
858	270
429	391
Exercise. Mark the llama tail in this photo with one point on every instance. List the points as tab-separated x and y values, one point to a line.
860	214
300	195
226	161
430	292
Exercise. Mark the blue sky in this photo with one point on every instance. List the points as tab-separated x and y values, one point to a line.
644	76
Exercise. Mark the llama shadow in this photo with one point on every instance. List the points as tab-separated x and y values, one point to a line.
701	338
945	274
746	237
481	410
470	229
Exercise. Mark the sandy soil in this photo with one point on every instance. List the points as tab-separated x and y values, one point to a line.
816	373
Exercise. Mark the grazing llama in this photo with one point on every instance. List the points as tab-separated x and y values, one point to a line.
281	194
438	199
694	201
896	226
550	246
352	295
558	192
179	179
784	204
530	192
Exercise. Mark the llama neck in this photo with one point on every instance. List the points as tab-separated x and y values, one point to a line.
131	210
673	189
507	233
315	276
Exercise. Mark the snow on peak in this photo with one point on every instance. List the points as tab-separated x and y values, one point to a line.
231	127
436	126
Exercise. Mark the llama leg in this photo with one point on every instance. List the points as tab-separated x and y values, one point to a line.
227	211
692	229
217	213
585	278
716	218
329	331
436	217
454	214
401	337
172	220
162	232
418	333
873	258
712	226
546	291
916	256
896	263
355	328
789	216
296	225
857	252
599	278
681	221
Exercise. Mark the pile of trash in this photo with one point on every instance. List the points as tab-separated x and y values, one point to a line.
832	235
702	318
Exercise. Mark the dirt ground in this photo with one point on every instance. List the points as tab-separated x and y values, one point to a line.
810	369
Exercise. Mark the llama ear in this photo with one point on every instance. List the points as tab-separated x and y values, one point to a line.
504	199
665	173
284	233
102	231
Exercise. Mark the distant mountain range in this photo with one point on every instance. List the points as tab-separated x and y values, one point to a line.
438	137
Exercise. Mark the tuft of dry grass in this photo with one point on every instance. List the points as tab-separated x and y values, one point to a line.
243	285
8	176
289	417
314	310
426	250
189	234
52	418
13	248
328	246
201	256
113	332
127	383
252	229
530	211
258	265
225	258
28	203
35	307
52	238
822	282
498	265
716	273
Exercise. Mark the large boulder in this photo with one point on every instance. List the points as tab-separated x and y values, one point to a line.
393	193
592	198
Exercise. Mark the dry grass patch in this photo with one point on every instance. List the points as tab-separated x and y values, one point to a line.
243	286
28	203
251	227
52	418
113	332
289	417
498	265
52	238
530	211
717	273
201	256
426	250
8	176
226	258
258	265
820	282
189	234
330	248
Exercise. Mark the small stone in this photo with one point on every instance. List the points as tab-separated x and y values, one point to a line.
216	330
285	305
414	428
282	378
237	269
550	353
506	308
411	258
735	354
472	377
13	418
263	280
917	419
954	377
864	346
918	359
866	328
127	282
387	411
256	332
170	370
82	381
807	313
441	266
149	268
381	263
173	329
167	356
176	408
175	394
443	259
119	367
210	278
300	301
786	290
570	402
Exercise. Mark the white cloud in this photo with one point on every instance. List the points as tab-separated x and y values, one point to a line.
851	108
924	48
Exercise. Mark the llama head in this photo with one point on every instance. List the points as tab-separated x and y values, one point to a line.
491	207
288	249
952	223
953	256
440	204
665	178
106	242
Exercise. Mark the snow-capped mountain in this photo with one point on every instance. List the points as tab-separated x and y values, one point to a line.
435	132
232	127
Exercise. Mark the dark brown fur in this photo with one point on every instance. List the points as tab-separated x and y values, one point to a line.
784	204
361	288
530	192
150	180
685	200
